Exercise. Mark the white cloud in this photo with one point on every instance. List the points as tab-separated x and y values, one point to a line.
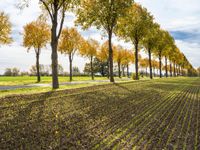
181	15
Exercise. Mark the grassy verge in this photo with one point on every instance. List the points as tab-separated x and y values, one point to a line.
34	90
24	80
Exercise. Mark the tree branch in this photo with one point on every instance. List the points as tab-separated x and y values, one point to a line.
62	22
46	6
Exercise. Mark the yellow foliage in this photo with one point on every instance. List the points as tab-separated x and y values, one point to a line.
103	53
70	41
118	53
89	48
128	57
36	34
5	29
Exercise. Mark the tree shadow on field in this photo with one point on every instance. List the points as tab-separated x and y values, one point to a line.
79	121
24	129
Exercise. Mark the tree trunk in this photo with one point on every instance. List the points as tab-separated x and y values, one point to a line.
182	71
136	61
123	72
91	65
160	65
177	70
174	69
108	74
170	69
146	72
166	70
70	67
54	55
119	69
127	67
110	57
150	65
38	66
102	70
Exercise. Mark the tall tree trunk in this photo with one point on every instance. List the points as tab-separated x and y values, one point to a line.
182	71
108	74
110	57
102	70
54	55
160	65
166	70
127	67
177	70
70	67
123	72
119	69
136	61
170	69
91	65
146	72
174	69
38	66
150	64
154	71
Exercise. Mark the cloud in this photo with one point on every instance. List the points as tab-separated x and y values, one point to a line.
180	17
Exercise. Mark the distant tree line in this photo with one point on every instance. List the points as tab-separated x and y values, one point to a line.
45	70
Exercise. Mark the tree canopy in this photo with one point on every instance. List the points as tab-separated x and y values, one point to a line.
5	29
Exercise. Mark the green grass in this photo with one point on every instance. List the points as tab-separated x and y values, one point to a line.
151	114
24	80
34	90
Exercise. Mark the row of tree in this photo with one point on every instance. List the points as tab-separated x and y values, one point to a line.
126	19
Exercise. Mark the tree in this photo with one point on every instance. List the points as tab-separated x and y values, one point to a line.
149	43
69	43
128	58
89	50
8	72
60	69
44	70
75	70
103	56
36	35
103	14
56	10
169	44
5	29
144	63
98	67
155	66
133	27
160	47
12	72
173	58
118	57
198	70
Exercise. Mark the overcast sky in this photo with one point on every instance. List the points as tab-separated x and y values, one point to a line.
180	17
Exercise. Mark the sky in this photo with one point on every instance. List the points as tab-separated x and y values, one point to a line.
180	17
